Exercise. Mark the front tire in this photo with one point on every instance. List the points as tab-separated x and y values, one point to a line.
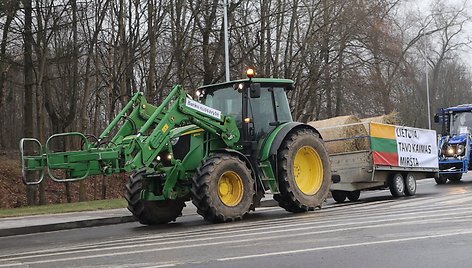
223	189
150	212
304	172
442	179
455	177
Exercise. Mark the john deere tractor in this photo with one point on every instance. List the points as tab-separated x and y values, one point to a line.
223	150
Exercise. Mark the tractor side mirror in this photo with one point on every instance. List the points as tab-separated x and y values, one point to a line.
255	90
436	118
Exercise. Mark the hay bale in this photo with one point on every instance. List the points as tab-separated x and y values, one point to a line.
339	134
391	119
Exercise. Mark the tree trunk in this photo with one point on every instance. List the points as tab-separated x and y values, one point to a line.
10	7
29	82
152	53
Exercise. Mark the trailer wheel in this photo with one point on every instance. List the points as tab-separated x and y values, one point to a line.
223	189
339	196
442	179
304	174
410	184
397	185
150	212
353	195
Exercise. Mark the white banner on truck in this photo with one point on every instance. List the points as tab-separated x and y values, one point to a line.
416	147
203	108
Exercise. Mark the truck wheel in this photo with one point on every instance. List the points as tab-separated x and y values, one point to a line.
410	184
304	173
455	177
223	189
354	195
150	212
397	185
338	196
441	180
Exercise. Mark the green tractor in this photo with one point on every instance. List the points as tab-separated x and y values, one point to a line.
223	151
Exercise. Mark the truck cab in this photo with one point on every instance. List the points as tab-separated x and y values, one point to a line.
455	142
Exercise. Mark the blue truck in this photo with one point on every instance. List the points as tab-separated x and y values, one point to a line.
455	142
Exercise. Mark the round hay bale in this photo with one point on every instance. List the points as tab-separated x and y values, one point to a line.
391	119
342	134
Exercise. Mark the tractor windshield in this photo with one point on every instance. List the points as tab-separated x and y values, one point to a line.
461	123
228	101
267	111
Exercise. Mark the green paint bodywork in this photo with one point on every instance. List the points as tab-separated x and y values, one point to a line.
145	140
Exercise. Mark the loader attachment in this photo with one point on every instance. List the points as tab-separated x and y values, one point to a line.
68	166
32	160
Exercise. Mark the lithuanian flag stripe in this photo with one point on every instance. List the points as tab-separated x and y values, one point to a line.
387	159
383	145
383	131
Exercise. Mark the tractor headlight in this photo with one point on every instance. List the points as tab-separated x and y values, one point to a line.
460	149
450	151
454	150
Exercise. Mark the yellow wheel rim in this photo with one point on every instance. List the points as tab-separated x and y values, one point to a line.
230	188
308	170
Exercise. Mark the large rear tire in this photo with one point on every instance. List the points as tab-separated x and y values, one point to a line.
304	172
223	189
150	212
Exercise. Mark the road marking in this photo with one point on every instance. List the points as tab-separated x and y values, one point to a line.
375	224
347	217
279	253
279	226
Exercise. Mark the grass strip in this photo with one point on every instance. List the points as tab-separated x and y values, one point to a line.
63	208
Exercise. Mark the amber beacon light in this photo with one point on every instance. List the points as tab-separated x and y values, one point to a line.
250	73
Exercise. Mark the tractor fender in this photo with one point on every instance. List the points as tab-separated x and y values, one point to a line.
240	155
277	136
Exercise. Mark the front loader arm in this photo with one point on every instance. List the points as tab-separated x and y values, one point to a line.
180	112
136	144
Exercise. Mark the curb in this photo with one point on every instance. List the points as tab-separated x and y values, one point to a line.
65	226
86	223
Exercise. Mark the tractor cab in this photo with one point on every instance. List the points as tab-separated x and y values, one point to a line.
455	120
460	123
258	105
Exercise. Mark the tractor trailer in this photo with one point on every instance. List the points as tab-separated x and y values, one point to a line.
384	157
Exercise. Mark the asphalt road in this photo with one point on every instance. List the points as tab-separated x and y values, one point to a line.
431	229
